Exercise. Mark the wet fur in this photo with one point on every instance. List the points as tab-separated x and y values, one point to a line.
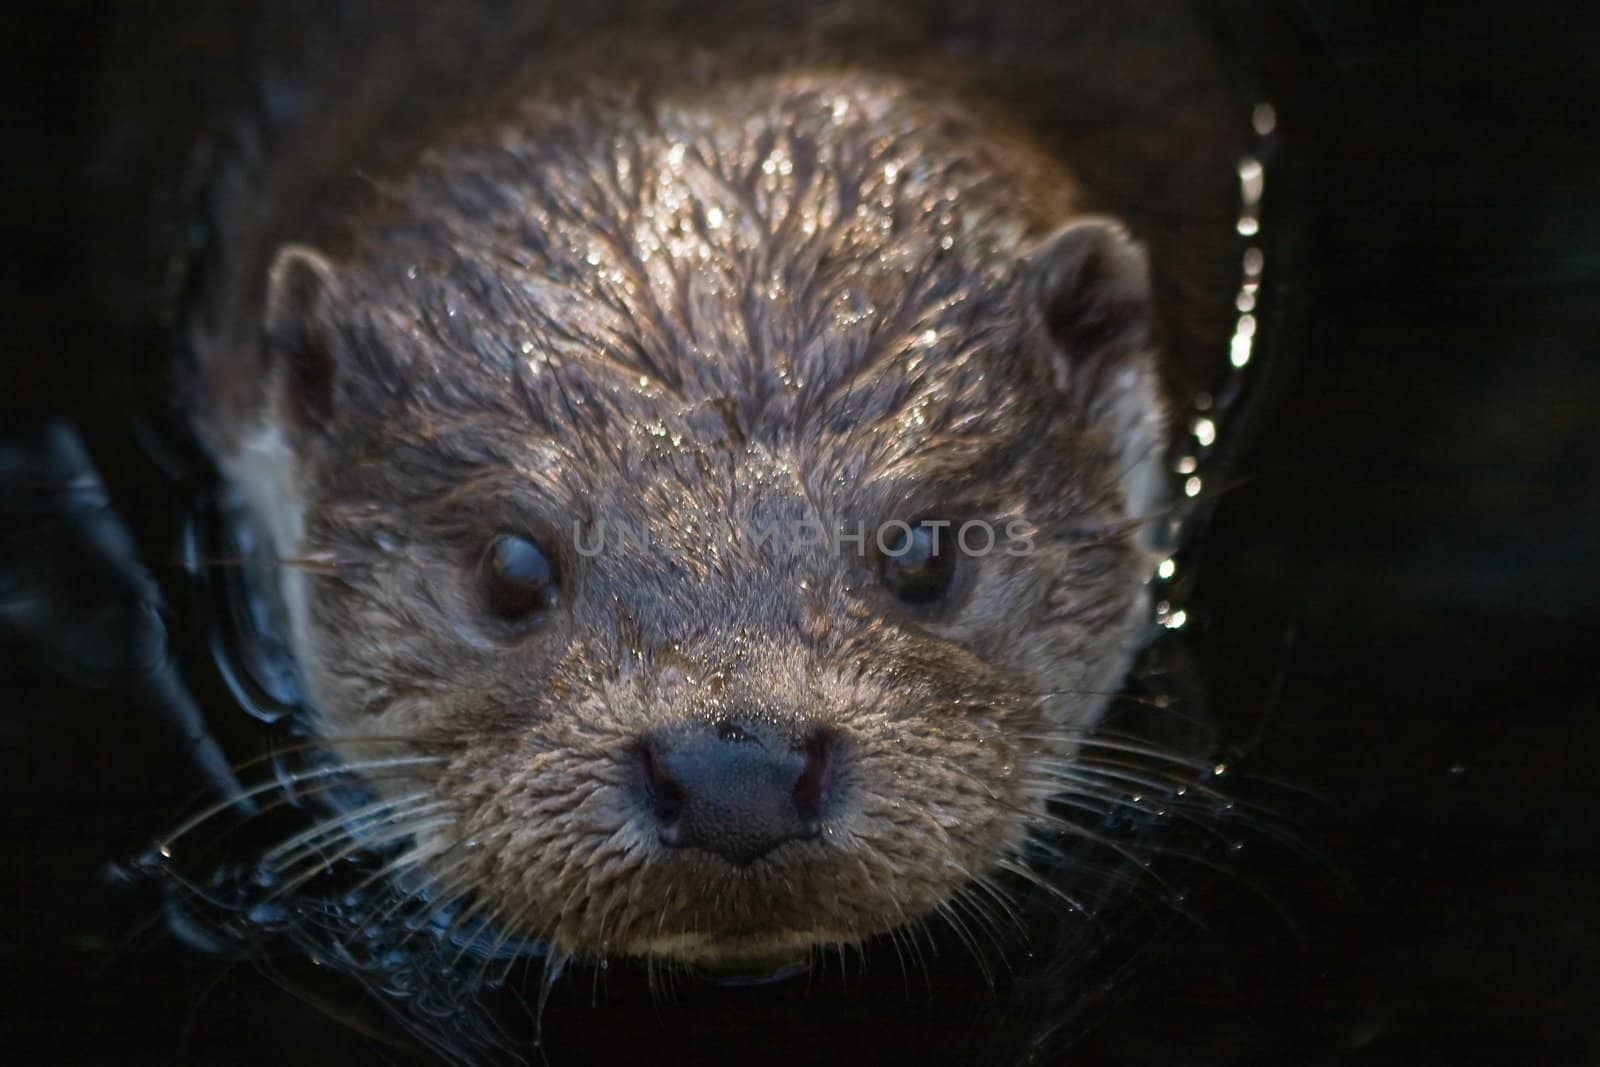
544	323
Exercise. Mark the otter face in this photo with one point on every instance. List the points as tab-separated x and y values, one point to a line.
739	498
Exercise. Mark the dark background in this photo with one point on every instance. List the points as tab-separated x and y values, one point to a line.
1399	598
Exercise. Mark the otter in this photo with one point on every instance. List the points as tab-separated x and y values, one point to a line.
825	298
711	486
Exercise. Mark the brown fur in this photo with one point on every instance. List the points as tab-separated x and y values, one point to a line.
544	322
817	294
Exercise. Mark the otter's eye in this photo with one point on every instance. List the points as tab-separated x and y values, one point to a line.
919	563
517	578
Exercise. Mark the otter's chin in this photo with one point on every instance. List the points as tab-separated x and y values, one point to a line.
742	959
755	968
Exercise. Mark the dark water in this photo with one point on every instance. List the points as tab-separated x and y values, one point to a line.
1395	608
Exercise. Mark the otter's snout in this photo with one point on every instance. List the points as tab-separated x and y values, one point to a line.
736	789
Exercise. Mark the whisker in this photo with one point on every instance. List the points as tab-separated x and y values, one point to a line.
433	880
327	863
1246	814
982	921
343	820
944	911
325	743
1110	741
506	927
1067	826
371	839
415	857
220	807
1003	899
1021	870
308	564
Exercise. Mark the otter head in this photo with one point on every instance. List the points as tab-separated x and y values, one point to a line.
735	504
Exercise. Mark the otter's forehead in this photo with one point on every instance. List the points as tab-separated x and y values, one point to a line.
802	256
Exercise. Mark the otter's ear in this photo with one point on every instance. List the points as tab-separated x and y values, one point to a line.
302	287
1093	293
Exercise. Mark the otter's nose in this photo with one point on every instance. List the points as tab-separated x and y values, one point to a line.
736	789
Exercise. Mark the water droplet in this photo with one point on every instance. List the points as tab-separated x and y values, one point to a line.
1239	350
1252	180
1264	119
